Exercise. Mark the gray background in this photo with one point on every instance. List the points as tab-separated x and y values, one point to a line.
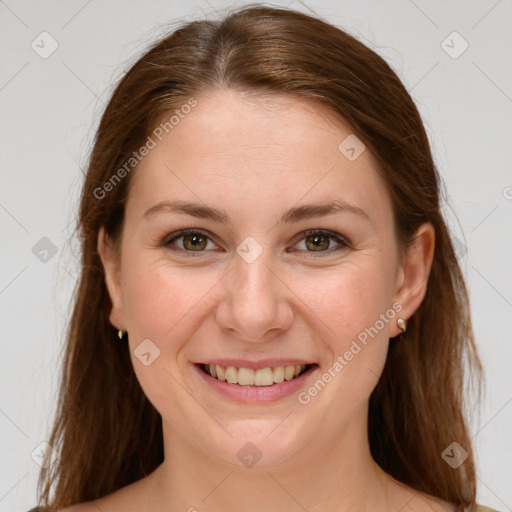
50	108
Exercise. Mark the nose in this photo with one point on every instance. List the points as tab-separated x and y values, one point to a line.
256	304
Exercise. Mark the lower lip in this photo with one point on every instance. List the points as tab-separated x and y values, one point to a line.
256	394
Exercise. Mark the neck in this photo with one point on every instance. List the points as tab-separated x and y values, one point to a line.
340	477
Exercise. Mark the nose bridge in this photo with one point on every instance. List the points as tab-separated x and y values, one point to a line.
255	301
253	280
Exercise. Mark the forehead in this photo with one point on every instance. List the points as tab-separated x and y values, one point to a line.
245	151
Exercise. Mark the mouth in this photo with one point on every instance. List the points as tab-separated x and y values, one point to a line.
255	385
249	377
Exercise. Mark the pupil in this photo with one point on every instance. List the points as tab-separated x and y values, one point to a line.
317	242
195	240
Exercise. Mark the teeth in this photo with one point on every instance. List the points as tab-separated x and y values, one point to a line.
220	372
232	375
279	374
249	377
289	372
246	377
263	377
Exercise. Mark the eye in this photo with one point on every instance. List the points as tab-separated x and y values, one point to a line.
319	240
194	240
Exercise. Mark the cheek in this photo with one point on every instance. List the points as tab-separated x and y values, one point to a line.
354	306
340	302
153	300
166	302
350	300
163	305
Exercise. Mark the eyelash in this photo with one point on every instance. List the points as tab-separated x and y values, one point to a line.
169	239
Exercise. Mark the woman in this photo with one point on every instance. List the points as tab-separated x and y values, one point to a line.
261	229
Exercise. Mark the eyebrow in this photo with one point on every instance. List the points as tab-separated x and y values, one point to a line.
294	214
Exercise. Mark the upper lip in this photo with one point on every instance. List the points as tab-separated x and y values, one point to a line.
255	365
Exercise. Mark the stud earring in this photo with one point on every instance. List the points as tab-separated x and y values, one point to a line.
402	324
120	334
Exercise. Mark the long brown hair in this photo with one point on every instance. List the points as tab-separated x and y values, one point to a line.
106	433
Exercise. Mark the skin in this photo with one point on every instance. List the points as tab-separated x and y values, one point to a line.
256	158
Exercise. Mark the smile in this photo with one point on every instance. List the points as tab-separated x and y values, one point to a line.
255	385
249	377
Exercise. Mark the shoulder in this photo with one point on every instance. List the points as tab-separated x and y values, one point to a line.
88	506
91	507
447	507
483	508
81	507
131	498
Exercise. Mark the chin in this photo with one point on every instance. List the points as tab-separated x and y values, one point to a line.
258	443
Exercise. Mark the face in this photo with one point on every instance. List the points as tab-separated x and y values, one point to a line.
264	284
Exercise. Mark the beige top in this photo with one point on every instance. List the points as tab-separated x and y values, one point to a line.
480	508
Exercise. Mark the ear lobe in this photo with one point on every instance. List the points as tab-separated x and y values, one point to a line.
111	266
414	273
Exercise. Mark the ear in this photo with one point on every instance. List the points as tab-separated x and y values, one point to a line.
413	274
111	265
